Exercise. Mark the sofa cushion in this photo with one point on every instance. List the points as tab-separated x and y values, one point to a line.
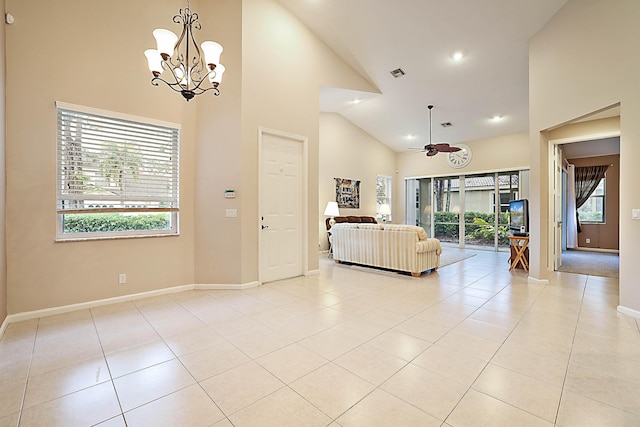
422	235
369	226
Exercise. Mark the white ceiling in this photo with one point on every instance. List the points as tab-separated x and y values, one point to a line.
419	36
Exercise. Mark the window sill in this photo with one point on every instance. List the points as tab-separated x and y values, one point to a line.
90	239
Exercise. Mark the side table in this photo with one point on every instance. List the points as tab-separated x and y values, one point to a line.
518	246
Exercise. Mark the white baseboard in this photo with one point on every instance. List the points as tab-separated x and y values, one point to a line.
238	287
3	327
588	249
312	272
629	311
534	281
28	315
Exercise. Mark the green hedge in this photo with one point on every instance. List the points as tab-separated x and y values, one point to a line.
479	227
87	223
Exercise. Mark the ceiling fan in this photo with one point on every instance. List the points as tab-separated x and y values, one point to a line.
433	149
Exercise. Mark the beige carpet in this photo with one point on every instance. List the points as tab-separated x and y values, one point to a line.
591	263
451	256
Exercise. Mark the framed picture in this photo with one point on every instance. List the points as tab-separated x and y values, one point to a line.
348	193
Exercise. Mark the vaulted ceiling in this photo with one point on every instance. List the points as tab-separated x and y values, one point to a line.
420	37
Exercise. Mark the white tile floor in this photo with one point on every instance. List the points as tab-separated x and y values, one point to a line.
470	345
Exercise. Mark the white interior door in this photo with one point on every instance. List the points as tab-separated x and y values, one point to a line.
281	206
556	207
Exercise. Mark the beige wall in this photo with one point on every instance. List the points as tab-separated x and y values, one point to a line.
218	258
603	236
3	255
503	153
346	151
579	63
283	65
89	53
275	67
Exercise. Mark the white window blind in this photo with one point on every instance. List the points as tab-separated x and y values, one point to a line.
115	164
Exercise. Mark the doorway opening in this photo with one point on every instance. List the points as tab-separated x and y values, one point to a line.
588	143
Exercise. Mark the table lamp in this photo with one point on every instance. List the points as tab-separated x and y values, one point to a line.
332	211
385	210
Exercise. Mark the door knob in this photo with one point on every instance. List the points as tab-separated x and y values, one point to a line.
265	226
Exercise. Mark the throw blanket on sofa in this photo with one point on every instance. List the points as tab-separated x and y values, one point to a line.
391	246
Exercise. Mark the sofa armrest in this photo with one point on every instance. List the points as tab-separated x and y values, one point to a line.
429	245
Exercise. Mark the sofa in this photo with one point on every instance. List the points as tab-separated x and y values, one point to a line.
351	219
390	246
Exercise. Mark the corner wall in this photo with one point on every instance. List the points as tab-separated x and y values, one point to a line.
580	63
346	151
283	66
90	53
3	234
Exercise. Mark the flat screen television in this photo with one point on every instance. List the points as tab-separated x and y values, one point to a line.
519	217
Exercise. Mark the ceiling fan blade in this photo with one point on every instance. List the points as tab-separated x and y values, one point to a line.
450	149
432	152
441	146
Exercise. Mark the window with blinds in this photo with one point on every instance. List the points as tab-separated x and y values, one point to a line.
116	174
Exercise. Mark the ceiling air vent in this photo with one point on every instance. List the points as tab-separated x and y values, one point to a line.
398	72
446	124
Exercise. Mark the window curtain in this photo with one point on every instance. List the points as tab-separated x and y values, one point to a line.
572	211
587	179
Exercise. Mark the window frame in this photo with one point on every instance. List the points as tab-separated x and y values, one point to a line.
594	196
388	196
121	118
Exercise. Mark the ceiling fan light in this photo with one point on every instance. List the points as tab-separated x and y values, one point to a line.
166	41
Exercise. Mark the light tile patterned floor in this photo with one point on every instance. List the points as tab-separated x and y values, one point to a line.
470	345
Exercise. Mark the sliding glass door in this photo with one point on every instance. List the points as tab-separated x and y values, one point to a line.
466	211
446	203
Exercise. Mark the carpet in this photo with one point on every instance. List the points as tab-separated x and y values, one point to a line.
451	256
590	263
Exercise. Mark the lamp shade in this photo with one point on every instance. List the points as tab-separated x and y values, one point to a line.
332	209
385	209
155	61
216	77
212	51
166	41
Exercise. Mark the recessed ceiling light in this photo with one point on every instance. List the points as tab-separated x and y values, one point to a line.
410	137
357	101
457	55
496	118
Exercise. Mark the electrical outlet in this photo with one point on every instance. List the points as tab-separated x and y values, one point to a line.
588	241
122	279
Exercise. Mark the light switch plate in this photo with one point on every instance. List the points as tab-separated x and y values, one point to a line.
635	213
232	213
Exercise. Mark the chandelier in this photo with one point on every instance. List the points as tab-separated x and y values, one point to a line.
180	64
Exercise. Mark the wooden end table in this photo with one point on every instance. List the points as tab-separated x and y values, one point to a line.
519	245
